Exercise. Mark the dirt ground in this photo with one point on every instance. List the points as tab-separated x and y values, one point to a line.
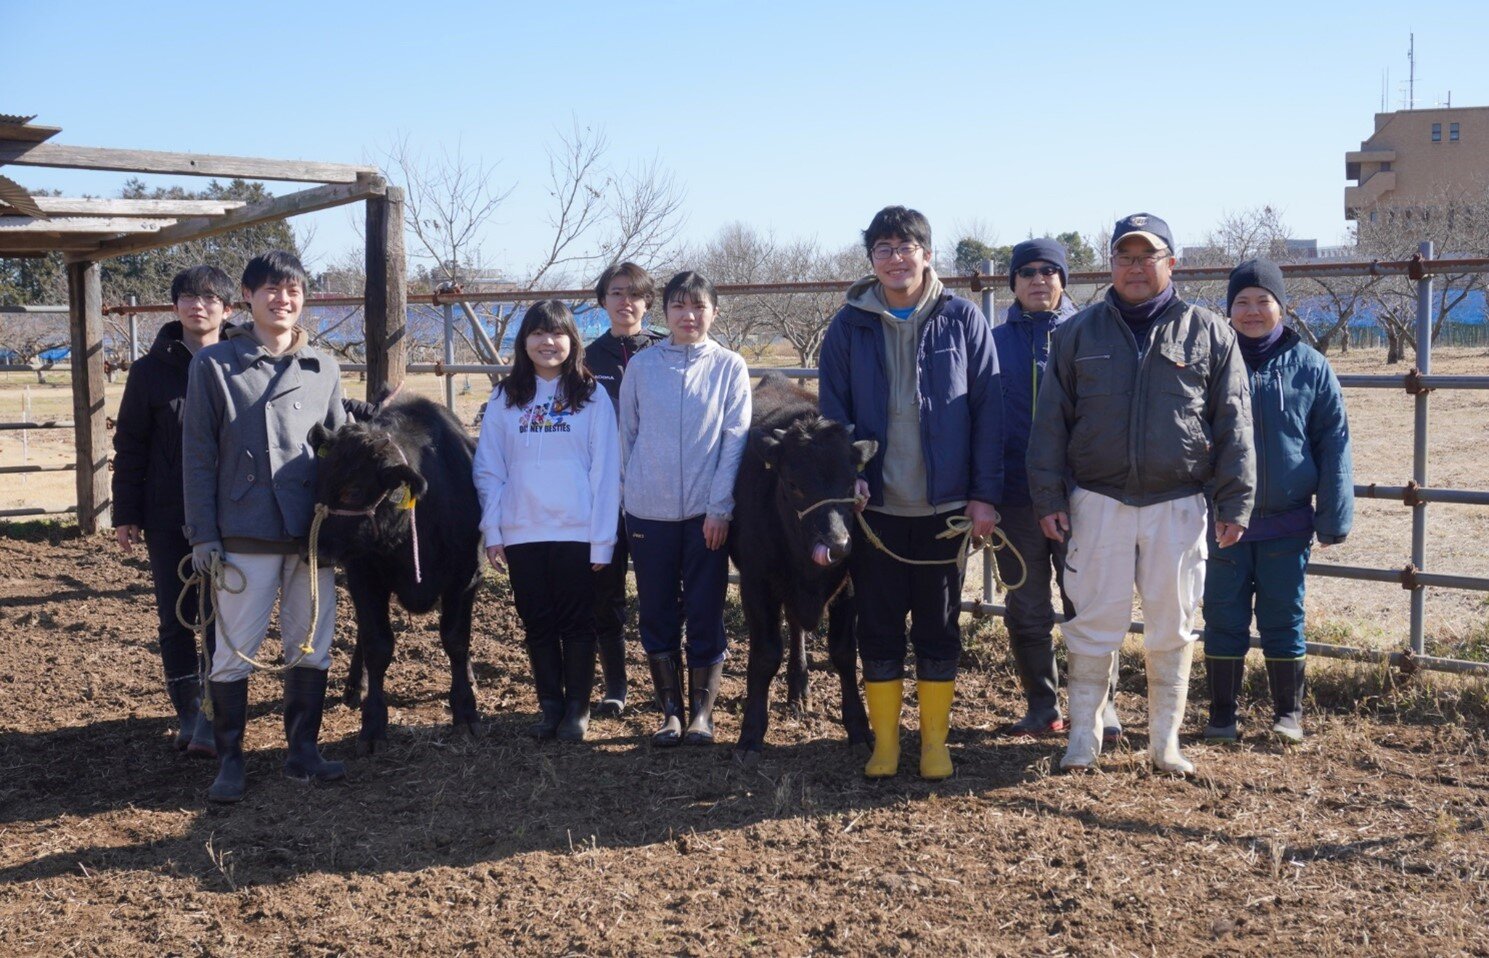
1369	840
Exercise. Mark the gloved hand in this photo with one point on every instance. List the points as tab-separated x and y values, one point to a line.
202	553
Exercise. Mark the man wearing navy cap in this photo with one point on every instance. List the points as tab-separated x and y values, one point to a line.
1143	404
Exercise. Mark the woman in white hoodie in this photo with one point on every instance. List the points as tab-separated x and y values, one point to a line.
684	417
547	470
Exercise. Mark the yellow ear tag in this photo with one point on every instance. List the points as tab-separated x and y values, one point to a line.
323	451
403	498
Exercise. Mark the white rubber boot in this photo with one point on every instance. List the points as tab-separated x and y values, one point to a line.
1088	677
1168	692
1111	725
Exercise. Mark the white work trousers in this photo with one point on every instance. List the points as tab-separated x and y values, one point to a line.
1159	548
244	617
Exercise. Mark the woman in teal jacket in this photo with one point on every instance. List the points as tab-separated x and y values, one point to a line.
1305	488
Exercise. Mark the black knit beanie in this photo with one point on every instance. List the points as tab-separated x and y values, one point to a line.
1261	273
1029	251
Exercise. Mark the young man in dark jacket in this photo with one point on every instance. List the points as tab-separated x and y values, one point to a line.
1305	489
625	291
912	367
1143	406
147	480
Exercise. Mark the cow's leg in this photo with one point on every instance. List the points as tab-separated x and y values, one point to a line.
842	650
375	641
798	683
763	616
454	632
356	677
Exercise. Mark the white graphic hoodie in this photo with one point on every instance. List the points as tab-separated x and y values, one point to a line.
546	473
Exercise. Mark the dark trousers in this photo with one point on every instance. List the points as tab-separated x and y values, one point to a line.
610	589
679	580
553	589
178	652
1268	573
1031	610
886	590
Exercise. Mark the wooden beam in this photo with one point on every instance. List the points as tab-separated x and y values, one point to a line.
106	225
27	132
23	153
385	310
33	244
72	206
85	302
276	208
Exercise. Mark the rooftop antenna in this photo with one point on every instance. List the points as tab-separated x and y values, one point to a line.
1385	83
1411	83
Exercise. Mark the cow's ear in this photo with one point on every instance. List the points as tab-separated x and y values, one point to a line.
865	448
318	436
403	475
770	450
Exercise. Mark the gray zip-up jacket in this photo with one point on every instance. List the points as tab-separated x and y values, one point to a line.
684	418
1144	431
249	471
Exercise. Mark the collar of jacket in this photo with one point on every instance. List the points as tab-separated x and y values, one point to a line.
250	351
1056	316
707	345
862	317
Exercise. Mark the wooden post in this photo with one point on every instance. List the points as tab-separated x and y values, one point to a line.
85	302
386	309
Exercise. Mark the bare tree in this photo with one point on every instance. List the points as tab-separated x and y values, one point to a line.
801	319
1457	225
26	336
740	254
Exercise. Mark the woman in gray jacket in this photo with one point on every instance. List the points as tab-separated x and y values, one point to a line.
684	416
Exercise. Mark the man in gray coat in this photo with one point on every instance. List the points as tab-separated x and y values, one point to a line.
1144	403
249	475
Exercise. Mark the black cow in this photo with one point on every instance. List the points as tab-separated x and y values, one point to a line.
401	478
789	546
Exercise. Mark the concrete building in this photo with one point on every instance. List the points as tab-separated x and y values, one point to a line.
1417	158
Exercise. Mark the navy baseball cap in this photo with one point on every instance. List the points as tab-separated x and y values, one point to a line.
1146	225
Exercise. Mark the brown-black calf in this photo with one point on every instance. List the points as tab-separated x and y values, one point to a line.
402	521
790	545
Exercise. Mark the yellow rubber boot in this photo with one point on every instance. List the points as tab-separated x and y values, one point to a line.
935	722
884	700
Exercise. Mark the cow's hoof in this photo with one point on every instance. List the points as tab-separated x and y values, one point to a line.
470	730
861	750
799	708
369	747
746	757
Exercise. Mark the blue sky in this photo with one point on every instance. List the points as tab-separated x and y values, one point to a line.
800	119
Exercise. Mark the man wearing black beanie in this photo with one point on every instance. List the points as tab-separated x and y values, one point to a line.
1142	409
1305	489
1037	277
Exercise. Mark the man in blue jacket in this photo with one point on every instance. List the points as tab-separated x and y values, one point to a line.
1305	488
1037	276
912	367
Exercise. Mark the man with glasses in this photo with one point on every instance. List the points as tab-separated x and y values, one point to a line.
1143	405
910	366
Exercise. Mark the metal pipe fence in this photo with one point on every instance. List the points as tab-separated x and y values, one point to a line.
1419	383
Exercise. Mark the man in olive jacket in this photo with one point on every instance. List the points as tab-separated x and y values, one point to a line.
1143	403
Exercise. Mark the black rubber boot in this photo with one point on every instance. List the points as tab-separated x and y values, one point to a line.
579	681
1286	678
612	651
703	690
1225	677
666	677
229	718
548	679
304	701
186	697
1040	681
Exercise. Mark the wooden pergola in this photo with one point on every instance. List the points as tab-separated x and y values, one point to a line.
89	231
